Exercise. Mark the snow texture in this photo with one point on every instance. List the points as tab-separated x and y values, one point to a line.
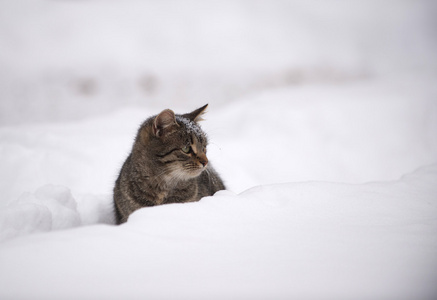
286	241
322	122
190	126
305	238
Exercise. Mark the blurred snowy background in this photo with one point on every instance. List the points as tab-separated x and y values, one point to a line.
63	60
300	92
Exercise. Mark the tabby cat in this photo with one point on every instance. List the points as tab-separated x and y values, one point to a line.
167	164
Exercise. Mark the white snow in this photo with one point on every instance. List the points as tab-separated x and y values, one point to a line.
305	238
308	240
322	121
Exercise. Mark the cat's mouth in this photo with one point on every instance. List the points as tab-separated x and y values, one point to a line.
194	170
185	171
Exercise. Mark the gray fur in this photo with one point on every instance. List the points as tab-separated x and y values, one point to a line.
159	171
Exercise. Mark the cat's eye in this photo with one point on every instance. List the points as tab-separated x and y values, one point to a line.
186	149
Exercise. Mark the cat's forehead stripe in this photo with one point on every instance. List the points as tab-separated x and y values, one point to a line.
194	143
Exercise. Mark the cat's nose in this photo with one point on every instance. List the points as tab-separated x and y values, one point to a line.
203	160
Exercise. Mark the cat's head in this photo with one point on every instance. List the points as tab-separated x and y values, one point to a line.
176	143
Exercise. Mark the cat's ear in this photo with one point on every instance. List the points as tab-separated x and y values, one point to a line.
165	119
196	115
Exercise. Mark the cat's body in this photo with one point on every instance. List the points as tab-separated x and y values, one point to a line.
168	164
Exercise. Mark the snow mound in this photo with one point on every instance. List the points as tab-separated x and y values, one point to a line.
311	240
51	208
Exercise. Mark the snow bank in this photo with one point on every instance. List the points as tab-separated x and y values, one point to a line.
302	239
369	130
47	209
308	240
52	208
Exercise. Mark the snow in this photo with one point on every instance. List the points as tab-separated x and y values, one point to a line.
310	240
322	121
190	126
298	221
